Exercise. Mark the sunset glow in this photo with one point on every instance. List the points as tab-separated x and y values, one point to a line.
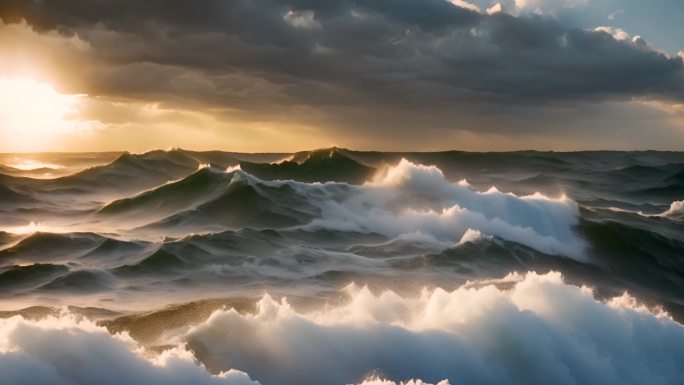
34	116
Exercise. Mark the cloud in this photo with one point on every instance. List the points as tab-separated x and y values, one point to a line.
302	19
352	65
615	14
496	8
369	47
466	5
548	6
616	33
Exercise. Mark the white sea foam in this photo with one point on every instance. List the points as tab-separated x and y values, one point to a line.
36	227
471	236
410	197
541	331
65	351
676	208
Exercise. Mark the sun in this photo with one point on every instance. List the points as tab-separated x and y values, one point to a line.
34	116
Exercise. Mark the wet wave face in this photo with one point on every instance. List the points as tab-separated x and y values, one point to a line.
342	267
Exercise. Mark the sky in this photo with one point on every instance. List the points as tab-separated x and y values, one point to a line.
287	75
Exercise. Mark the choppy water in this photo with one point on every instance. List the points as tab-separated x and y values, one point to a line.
343	267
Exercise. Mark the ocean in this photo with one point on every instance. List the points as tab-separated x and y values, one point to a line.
336	266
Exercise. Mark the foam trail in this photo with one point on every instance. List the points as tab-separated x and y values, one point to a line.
676	209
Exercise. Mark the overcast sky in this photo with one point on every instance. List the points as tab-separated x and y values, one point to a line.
283	75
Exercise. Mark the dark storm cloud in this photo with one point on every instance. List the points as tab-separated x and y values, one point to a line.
408	55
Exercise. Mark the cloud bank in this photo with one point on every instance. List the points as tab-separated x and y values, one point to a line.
398	67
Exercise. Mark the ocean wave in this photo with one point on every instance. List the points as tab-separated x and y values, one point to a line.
33	352
160	202
407	198
245	202
81	281
49	247
127	174
325	165
676	210
296	260
96	357
538	331
410	197
29	276
541	331
9	197
161	262
222	231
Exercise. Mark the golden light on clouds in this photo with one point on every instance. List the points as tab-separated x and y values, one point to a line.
444	79
34	116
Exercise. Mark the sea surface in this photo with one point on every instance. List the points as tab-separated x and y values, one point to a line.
342	267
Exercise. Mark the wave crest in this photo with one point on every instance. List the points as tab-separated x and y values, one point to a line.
28	355
410	197
541	331
538	331
676	209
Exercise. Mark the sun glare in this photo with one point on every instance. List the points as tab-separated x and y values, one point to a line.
34	116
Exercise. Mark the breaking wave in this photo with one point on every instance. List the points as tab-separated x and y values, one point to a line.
676	210
538	331
409	198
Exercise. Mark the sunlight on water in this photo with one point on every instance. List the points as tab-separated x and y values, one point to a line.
30	164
